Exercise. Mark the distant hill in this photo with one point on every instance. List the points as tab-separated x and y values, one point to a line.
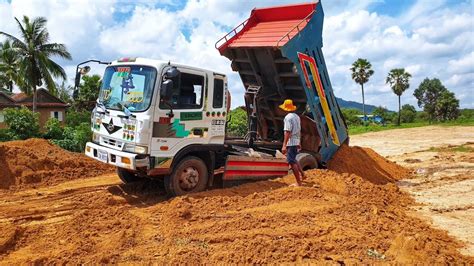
355	105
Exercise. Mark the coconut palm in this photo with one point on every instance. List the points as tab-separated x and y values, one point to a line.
35	52
9	65
399	81
361	72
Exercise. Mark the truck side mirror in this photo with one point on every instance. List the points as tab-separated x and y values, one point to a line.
166	89
172	73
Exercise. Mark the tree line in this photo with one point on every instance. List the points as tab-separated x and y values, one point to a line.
436	100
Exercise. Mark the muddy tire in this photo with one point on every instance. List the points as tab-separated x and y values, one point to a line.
306	161
127	176
189	176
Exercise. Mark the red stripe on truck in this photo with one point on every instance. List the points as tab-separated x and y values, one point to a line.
248	163
255	173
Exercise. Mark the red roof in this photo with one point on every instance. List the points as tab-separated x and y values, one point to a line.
44	99
29	104
270	27
19	96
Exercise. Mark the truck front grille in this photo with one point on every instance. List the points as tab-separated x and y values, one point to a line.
112	143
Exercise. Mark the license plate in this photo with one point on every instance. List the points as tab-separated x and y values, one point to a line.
103	156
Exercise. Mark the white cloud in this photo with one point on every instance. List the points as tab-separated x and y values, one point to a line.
429	39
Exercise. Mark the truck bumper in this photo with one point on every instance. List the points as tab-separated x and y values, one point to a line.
114	157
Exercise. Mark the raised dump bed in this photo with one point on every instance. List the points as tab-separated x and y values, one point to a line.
277	52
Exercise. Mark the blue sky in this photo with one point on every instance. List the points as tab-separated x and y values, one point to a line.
430	38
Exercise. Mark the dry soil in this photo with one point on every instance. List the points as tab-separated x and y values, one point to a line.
335	218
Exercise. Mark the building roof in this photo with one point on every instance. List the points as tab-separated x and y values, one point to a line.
19	96
6	100
43	97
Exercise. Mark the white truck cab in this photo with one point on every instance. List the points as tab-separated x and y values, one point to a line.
150	113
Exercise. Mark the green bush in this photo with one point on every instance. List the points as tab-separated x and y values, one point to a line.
422	116
67	144
53	129
350	115
83	134
75	139
5	135
466	114
74	118
408	113
22	123
237	126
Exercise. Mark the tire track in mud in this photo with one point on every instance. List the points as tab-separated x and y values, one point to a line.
98	216
36	204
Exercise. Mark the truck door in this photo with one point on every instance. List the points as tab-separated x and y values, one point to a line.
171	132
196	118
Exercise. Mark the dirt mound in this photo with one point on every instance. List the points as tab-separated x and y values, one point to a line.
37	162
336	217
368	164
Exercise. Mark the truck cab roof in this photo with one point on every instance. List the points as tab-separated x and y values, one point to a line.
157	63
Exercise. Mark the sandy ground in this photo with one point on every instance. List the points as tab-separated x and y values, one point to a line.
337	218
400	141
443	182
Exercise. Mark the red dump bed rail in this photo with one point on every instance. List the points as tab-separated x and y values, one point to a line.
271	26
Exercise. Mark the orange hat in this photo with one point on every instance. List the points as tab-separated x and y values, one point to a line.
288	105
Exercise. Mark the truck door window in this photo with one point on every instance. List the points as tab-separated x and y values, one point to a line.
187	95
218	98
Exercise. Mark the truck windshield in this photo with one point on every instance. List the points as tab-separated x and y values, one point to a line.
127	86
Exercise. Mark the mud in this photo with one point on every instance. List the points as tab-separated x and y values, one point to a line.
36	163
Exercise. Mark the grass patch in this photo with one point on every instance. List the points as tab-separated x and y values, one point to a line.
355	130
460	148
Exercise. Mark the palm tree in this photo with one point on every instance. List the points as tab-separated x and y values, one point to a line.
34	52
399	81
361	72
9	65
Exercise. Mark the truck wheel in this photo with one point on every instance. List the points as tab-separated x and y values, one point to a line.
127	176
306	161
189	176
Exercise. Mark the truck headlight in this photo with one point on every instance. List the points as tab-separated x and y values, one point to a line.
95	138
135	148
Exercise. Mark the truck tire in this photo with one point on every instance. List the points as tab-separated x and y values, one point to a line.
306	161
126	176
189	176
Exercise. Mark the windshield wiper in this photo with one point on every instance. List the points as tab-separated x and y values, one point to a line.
124	108
102	106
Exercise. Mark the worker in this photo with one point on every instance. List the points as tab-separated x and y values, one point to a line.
291	141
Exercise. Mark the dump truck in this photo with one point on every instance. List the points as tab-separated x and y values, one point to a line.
159	119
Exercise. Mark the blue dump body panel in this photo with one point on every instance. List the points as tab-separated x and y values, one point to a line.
304	50
278	50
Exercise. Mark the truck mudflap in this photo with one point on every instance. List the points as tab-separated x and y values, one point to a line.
251	168
114	157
